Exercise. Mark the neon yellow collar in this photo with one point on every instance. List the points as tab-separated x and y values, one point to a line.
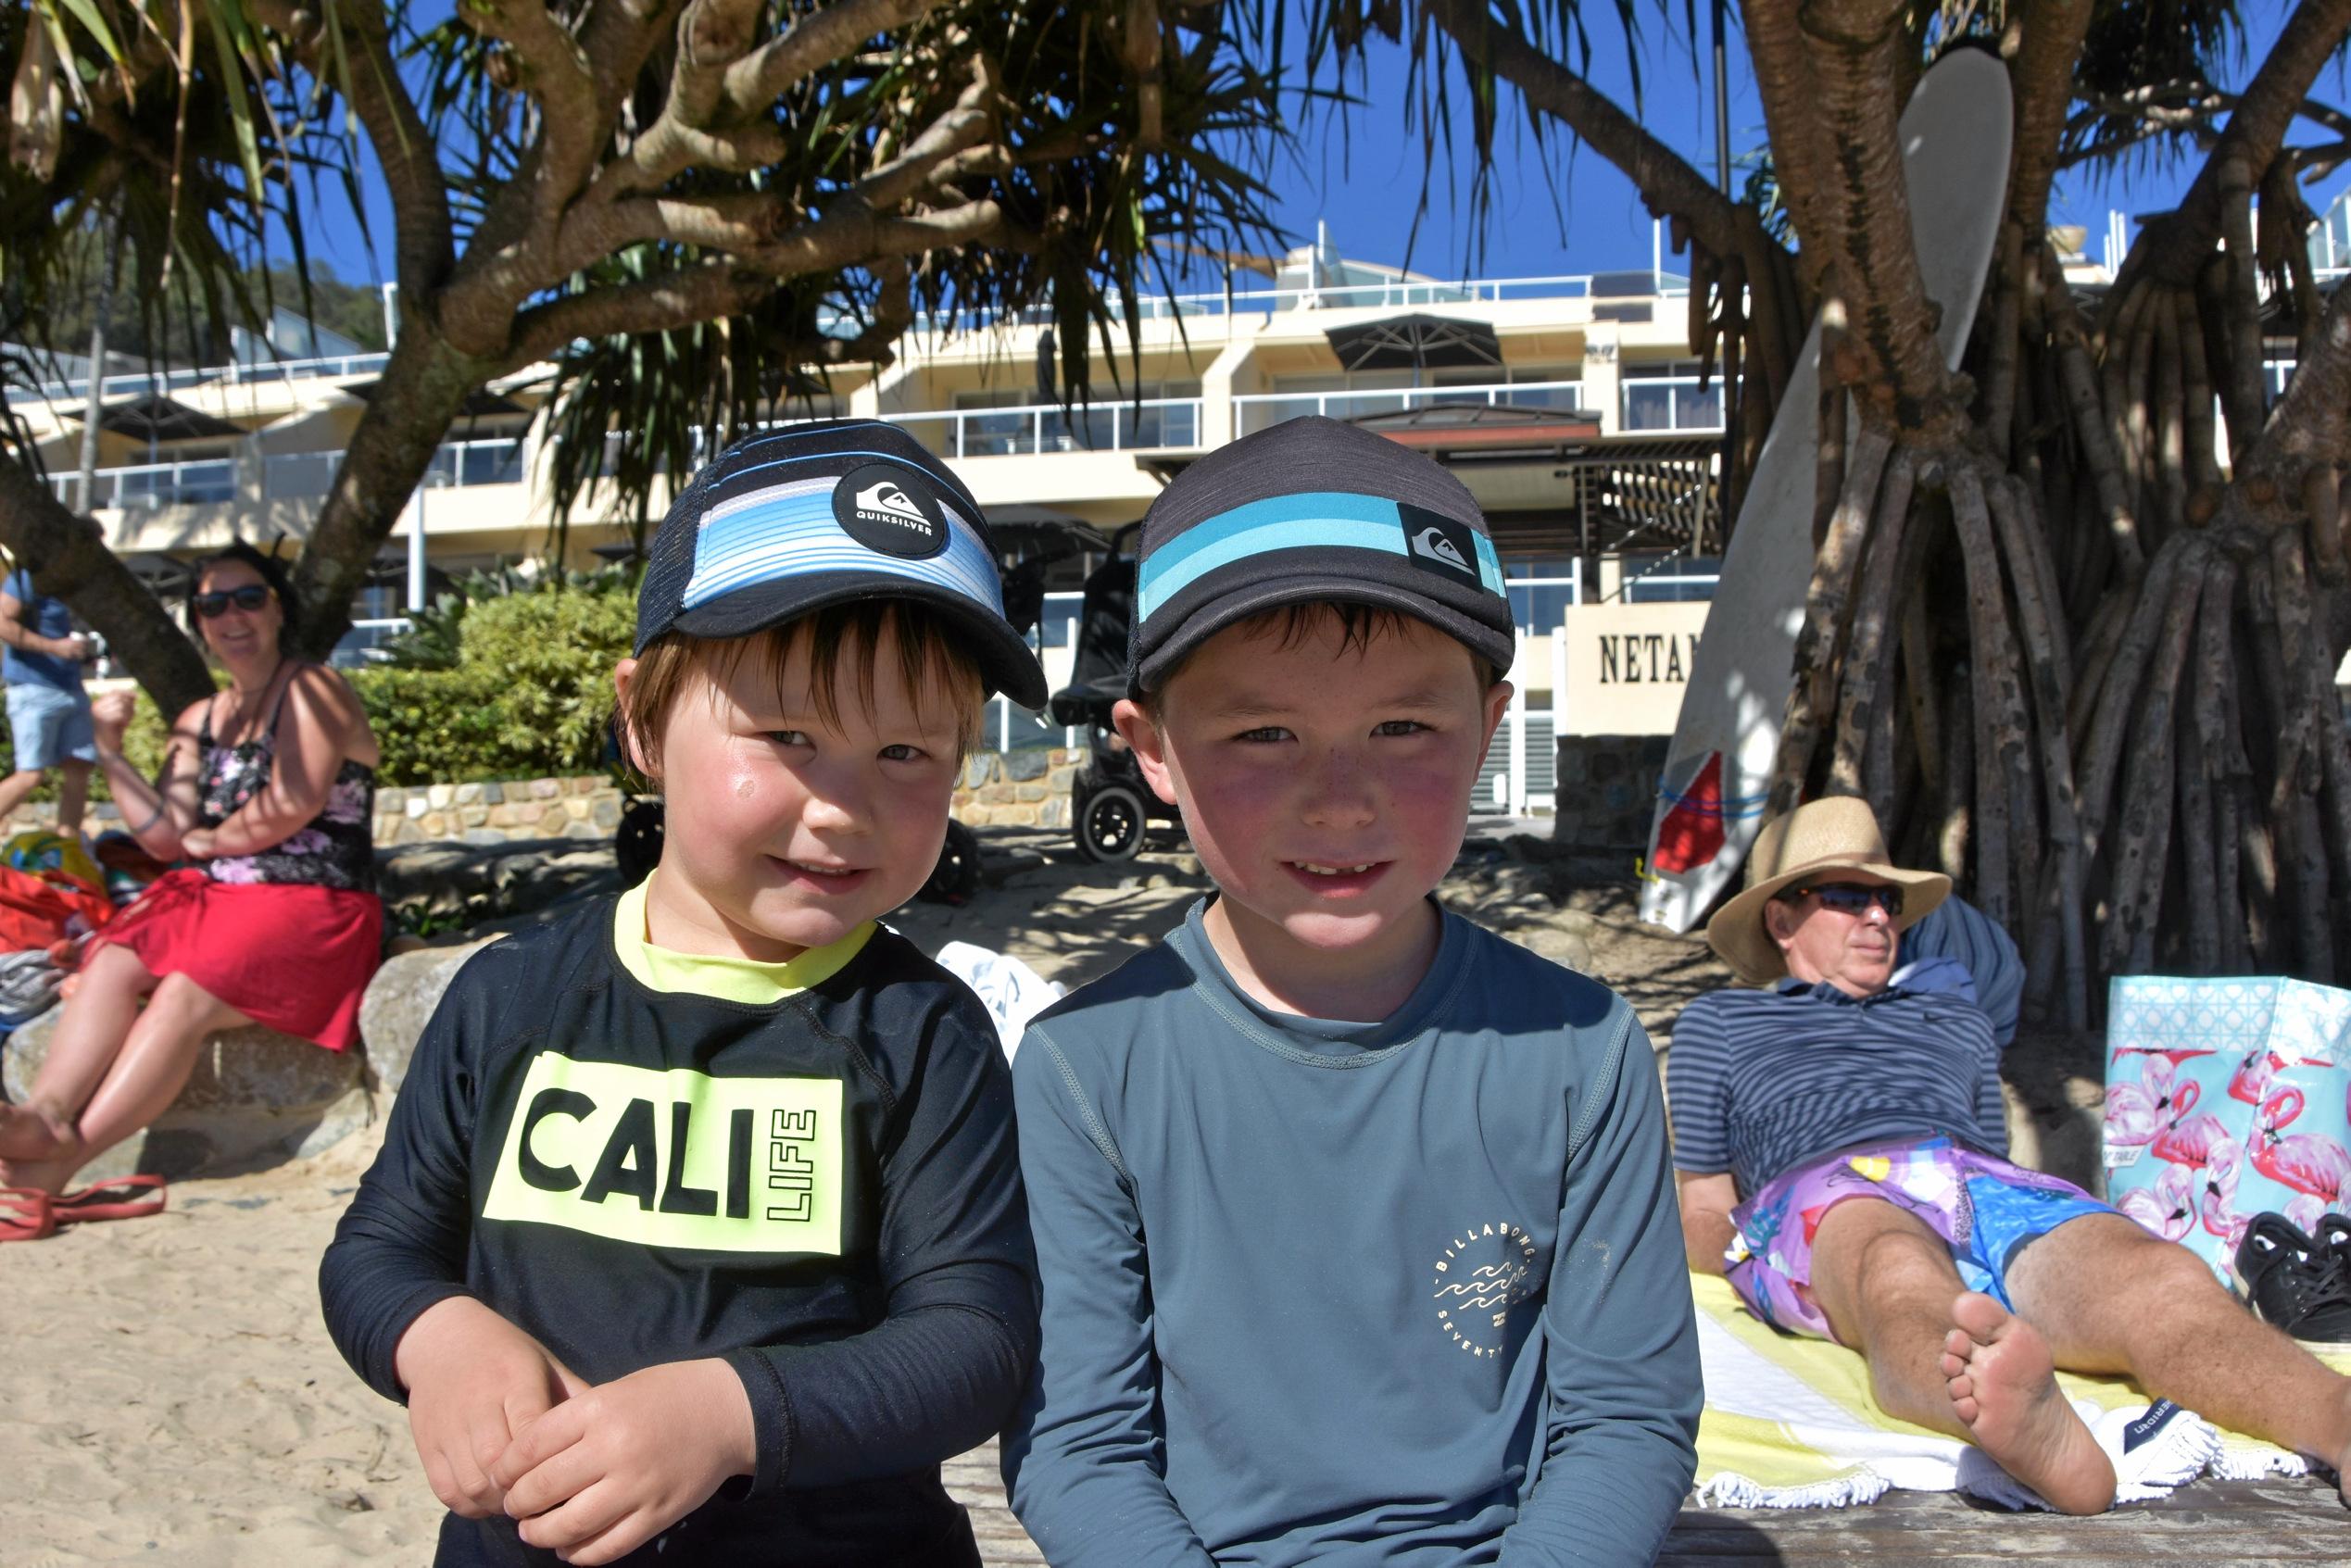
731	980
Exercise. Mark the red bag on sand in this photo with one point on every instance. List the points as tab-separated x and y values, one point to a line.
50	890
34	914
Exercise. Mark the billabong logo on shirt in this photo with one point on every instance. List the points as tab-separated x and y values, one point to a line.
1486	1271
675	1157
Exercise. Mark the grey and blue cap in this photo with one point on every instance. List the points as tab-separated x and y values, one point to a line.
1313	509
797	520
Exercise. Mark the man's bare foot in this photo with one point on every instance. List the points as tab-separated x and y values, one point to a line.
2004	1388
31	1132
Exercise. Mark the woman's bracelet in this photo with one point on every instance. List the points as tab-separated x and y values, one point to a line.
153	817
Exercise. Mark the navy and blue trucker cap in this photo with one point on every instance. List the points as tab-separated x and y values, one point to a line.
1313	509
797	520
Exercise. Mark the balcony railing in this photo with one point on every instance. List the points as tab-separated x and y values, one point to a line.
145	382
286	476
152	484
1262	410
1036	428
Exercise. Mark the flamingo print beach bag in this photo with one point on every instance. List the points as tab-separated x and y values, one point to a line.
2226	1099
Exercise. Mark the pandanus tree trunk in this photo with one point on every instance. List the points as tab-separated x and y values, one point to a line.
2123	739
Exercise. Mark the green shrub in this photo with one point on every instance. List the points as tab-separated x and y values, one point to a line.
555	652
527	695
438	726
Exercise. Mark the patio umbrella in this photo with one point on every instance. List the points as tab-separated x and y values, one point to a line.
1415	343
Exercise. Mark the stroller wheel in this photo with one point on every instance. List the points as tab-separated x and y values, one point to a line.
1110	826
957	875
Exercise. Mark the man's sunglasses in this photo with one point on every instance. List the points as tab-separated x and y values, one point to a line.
1850	897
249	598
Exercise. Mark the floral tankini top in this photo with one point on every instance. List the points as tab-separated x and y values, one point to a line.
335	848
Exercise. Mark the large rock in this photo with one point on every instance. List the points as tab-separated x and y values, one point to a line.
254	1093
398	1004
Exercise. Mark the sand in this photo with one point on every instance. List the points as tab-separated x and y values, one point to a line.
167	1393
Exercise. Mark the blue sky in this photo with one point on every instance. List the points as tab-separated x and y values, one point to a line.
1578	215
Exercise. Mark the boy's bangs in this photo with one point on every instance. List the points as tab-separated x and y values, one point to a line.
1359	625
931	668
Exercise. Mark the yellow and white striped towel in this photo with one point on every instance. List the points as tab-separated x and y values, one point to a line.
1789	1422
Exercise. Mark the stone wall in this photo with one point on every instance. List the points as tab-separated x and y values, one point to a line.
1030	789
587	807
1606	792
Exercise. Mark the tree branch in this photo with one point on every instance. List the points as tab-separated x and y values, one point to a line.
806	46
555	71
1666	180
424	248
2043	76
2312	422
1862	203
708	292
2174	246
970	122
73	562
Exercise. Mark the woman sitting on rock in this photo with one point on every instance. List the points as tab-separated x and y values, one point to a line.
269	788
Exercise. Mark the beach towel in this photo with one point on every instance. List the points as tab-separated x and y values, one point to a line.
2226	1099
1789	1422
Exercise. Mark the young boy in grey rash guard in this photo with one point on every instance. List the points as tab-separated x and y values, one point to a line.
1354	1222
698	1234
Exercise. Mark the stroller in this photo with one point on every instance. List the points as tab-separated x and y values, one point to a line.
1111	807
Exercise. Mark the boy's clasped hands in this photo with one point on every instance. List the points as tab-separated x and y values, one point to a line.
592	1471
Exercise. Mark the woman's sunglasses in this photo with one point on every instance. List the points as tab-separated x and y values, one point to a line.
249	598
1850	897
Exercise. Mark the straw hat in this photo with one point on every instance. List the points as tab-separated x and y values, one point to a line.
1837	833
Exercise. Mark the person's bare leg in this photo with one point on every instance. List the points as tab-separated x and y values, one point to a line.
1886	1284
91	1032
14	787
147	1075
73	794
2113	1299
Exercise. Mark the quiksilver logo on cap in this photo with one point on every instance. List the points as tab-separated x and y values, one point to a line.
1443	547
891	509
1432	542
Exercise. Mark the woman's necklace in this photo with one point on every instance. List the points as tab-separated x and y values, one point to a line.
240	701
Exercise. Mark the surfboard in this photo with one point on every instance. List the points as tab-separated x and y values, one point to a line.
1955	135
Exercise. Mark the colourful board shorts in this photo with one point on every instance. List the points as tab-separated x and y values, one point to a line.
1984	1209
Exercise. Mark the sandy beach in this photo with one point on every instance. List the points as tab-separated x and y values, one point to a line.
170	1394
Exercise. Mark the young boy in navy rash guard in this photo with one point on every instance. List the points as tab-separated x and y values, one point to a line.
1354	1222
698	1234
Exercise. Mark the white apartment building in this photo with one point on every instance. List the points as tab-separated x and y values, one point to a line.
1569	405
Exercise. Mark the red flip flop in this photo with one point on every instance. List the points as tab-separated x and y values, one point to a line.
27	1214
102	1200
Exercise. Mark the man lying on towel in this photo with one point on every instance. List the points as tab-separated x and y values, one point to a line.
1838	1138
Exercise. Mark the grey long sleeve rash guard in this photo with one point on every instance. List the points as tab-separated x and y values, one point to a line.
1404	1293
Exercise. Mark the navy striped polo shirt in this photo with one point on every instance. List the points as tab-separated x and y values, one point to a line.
1761	1082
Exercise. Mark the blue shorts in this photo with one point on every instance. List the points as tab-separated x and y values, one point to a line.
47	726
1984	1209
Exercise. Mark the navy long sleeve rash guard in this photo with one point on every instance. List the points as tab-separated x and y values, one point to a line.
820	1187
